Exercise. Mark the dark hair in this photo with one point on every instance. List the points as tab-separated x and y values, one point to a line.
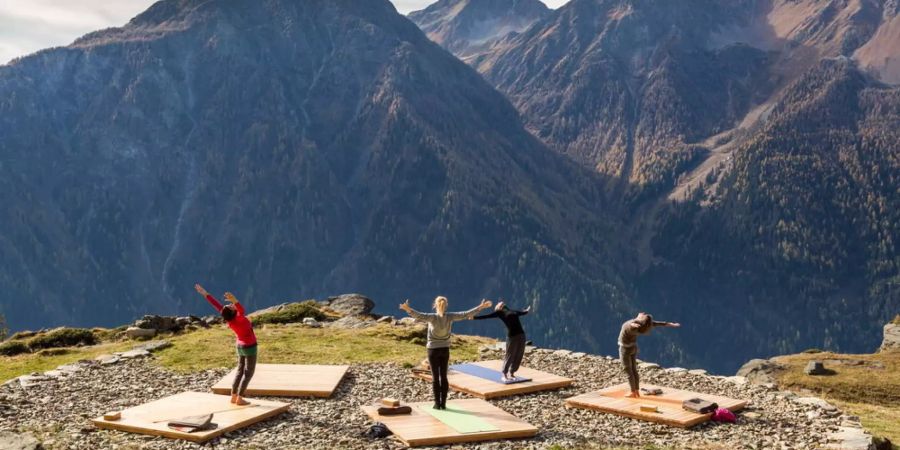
648	320
228	313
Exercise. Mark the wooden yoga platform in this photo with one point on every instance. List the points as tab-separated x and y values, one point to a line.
612	400
153	418
288	380
421	428
486	389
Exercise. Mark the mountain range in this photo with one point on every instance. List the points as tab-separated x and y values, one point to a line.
732	165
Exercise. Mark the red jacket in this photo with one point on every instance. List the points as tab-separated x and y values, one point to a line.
241	325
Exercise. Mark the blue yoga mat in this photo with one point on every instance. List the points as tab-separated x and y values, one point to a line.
487	374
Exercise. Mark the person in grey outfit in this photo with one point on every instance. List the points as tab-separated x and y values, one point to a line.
628	350
515	337
439	325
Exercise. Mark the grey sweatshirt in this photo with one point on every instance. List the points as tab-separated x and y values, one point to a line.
629	334
439	326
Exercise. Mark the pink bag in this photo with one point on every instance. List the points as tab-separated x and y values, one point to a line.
724	415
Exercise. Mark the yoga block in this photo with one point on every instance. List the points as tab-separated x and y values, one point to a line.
113	416
393	403
649	408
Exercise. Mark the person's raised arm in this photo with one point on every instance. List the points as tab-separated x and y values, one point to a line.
666	324
413	313
209	298
468	315
487	316
523	312
234	301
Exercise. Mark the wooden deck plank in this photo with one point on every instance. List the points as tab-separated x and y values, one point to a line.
612	400
152	418
487	389
420	428
288	380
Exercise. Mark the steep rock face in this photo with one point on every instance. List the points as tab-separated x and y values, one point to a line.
466	27
281	150
647	90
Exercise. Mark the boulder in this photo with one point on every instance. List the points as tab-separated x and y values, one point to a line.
386	319
351	304
154	322
136	332
182	322
213	320
406	321
760	371
310	322
815	368
16	441
891	340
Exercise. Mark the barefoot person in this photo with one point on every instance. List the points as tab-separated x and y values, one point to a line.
628	349
245	339
515	337
439	324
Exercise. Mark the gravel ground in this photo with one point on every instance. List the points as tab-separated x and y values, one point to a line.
57	410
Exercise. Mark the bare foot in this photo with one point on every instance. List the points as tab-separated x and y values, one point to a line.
633	394
234	398
241	402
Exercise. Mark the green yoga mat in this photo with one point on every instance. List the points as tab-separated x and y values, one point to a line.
460	420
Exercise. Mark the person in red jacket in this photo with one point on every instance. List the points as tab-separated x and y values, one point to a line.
236	319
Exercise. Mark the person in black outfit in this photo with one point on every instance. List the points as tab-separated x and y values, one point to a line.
515	340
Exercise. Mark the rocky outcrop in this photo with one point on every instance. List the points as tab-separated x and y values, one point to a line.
760	371
891	340
350	304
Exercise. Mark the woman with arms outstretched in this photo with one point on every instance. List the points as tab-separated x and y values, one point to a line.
236	319
628	349
439	325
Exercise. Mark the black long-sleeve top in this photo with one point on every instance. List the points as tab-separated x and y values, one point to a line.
510	318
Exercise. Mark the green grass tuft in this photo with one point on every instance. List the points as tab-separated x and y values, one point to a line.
293	313
62	337
13	348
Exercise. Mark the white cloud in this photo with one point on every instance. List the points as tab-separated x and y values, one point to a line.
27	26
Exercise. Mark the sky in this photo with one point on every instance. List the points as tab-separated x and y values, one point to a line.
27	26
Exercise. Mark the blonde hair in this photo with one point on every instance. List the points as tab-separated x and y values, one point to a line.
439	299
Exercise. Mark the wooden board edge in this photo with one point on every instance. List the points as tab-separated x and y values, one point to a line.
195	438
527	389
275	393
486	436
686	424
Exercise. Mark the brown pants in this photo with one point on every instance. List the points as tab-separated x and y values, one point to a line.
628	355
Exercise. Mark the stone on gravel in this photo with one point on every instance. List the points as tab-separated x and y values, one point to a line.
698	372
649	366
737	380
153	346
136	353
108	359
351	304
16	441
137	332
846	438
562	352
816	402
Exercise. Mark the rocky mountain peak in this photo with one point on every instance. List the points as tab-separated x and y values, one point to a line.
466	26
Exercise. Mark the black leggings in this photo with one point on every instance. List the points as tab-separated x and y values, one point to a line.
439	360
245	369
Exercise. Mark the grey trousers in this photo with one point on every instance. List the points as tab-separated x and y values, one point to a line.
515	351
628	355
245	369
